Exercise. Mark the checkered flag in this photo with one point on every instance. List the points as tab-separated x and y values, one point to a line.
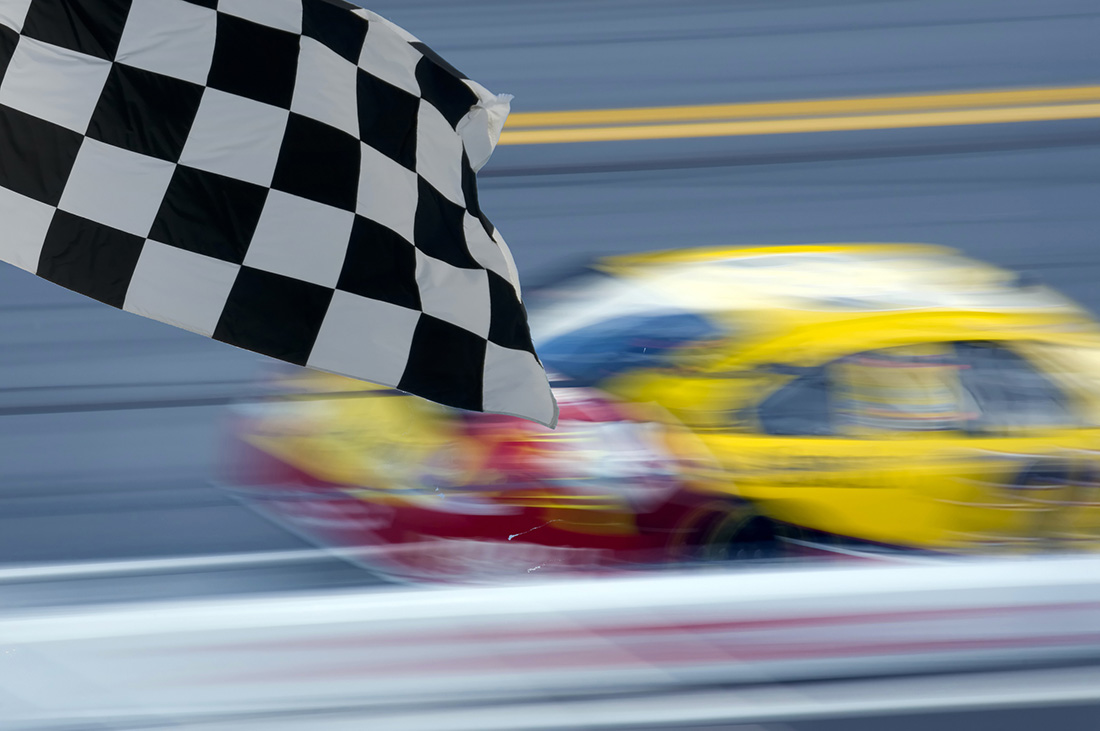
294	177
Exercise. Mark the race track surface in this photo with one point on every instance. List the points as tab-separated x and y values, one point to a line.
110	425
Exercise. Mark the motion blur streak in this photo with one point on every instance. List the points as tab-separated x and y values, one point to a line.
110	425
671	649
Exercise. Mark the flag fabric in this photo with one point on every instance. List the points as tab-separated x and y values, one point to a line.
294	177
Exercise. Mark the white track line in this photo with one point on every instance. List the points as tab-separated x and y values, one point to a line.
166	565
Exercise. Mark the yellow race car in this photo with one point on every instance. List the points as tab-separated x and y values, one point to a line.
896	394
717	403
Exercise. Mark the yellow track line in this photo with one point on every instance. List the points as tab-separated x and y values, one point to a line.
823	115
811	124
810	107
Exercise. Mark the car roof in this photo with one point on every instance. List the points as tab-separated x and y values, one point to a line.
840	277
769	291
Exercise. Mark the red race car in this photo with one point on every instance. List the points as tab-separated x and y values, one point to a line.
419	491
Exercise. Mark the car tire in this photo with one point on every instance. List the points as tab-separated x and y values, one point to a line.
740	533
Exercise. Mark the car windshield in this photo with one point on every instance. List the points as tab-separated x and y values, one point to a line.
593	326
607	348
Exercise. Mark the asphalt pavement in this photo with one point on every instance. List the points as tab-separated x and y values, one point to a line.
578	54
110	425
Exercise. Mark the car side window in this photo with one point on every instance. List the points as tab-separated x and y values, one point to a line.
1008	391
976	387
892	390
904	389
799	408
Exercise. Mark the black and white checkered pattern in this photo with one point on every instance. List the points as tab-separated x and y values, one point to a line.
294	177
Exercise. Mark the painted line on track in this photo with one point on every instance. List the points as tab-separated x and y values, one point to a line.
793	117
214	562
